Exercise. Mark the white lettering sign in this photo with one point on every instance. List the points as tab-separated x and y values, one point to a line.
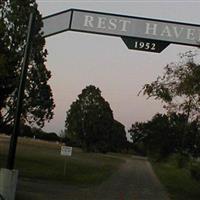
106	23
119	25
151	29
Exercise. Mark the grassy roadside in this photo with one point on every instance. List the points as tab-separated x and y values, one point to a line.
178	182
42	160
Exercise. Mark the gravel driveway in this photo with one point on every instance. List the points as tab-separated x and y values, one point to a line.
135	180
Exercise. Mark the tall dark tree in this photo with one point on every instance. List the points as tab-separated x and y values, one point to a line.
118	138
38	99
90	120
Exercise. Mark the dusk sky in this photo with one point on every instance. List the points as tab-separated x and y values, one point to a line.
80	59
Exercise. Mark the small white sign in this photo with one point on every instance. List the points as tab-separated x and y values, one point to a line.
66	151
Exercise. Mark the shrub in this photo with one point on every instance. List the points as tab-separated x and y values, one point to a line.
182	160
195	171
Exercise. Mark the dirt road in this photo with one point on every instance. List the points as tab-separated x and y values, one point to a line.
135	180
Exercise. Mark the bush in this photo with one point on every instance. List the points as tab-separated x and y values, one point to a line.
182	160
195	171
140	149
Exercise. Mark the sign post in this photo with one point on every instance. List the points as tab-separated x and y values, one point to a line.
65	151
65	164
13	140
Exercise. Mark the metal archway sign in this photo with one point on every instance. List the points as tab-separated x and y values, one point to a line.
138	33
151	35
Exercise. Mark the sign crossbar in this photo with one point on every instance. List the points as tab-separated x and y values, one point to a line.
163	32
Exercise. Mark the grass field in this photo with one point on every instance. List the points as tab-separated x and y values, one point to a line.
178	181
42	160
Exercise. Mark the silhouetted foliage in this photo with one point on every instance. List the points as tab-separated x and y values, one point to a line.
38	133
118	138
33	132
179	90
178	87
167	134
38	103
90	123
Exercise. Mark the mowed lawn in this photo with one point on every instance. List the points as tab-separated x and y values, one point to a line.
42	160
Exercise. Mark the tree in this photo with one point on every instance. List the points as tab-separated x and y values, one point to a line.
38	98
118	140
179	87
163	135
157	136
90	120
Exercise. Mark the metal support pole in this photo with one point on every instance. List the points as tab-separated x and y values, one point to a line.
65	164
16	130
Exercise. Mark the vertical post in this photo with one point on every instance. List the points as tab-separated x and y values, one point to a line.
16	130
65	164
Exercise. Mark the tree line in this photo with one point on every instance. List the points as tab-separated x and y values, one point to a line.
177	131
166	134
